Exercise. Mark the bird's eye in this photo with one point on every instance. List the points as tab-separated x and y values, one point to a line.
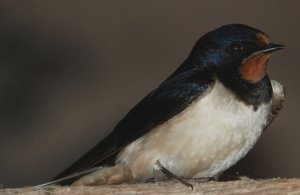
236	48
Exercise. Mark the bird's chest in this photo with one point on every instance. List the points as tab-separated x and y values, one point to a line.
207	138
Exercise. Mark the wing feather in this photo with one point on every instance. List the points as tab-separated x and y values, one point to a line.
169	99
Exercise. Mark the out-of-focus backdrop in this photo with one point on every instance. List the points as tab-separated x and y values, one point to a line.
70	70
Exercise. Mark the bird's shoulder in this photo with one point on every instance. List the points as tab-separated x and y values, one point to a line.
168	100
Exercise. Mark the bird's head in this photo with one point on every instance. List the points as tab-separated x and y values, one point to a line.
235	51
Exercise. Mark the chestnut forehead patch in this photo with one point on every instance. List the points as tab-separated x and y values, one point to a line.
254	68
263	39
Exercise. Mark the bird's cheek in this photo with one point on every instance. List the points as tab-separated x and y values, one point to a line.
253	68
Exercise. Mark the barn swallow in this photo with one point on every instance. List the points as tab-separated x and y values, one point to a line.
200	121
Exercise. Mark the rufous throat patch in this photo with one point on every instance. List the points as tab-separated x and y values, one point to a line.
253	68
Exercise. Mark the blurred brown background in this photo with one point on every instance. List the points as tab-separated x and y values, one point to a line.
70	70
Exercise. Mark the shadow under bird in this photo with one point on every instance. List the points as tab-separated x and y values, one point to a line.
200	121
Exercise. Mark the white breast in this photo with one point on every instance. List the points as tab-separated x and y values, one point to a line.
210	136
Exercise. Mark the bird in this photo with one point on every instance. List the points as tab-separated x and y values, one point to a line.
205	117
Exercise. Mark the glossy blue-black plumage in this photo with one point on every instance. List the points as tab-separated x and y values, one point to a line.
168	100
210	58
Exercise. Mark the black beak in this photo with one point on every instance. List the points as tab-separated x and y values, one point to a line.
271	47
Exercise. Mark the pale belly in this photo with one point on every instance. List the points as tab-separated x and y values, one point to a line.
206	139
